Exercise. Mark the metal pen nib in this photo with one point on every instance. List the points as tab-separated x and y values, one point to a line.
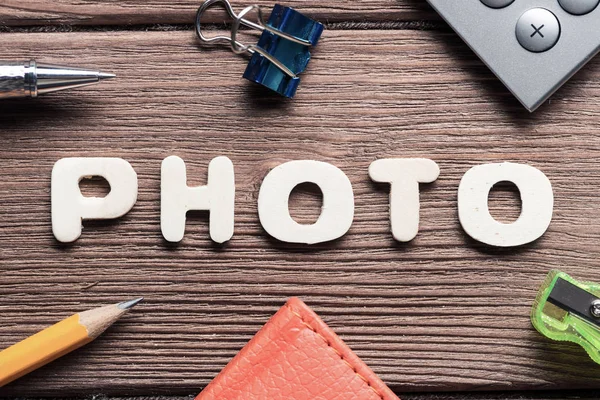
52	78
29	79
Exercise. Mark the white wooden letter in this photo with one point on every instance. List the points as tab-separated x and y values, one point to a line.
218	197
337	211
404	175
536	197
70	207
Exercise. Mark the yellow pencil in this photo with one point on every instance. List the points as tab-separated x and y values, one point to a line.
58	340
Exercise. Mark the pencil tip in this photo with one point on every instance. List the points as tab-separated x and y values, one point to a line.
126	305
104	75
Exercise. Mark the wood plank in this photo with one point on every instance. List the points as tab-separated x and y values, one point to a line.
441	313
73	12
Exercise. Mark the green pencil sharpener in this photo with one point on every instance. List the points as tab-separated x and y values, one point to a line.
568	310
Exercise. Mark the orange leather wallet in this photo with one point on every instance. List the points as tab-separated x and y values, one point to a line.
296	356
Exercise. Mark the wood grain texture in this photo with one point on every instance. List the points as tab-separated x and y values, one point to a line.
131	12
441	313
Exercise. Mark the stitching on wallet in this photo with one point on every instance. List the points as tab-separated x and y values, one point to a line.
340	355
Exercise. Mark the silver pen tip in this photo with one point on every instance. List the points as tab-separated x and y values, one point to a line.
126	305
104	75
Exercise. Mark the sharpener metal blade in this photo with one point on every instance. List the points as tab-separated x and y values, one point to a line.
573	299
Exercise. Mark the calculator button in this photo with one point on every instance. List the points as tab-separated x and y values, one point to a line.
579	7
538	30
498	3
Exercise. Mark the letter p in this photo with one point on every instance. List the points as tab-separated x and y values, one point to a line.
70	207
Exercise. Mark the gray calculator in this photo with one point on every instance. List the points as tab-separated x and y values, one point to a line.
533	46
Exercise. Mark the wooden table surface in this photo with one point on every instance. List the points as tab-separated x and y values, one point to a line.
389	79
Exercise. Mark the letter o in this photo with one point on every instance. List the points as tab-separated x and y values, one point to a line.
337	212
536	210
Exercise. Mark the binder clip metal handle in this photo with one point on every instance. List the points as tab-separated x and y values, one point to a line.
238	19
312	35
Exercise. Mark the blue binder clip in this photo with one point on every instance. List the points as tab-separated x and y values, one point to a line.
282	50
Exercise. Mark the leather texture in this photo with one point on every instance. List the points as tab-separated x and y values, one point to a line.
296	356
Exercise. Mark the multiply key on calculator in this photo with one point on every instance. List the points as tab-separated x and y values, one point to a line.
533	46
